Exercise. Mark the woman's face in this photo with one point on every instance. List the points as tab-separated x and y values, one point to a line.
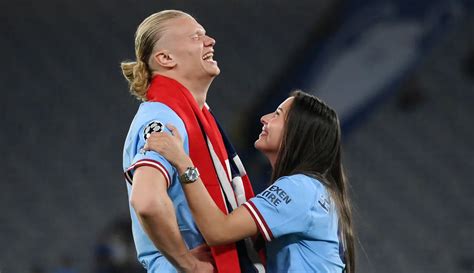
269	140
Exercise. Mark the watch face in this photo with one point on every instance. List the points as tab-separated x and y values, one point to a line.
190	175
193	175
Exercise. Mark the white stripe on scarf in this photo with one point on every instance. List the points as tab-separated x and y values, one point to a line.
223	177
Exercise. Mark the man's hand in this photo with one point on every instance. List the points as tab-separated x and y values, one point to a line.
203	262
203	254
197	260
203	267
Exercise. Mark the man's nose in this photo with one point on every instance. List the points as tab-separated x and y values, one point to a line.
209	41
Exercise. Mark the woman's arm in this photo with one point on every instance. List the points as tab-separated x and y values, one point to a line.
216	227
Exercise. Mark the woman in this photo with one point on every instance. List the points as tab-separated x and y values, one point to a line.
305	215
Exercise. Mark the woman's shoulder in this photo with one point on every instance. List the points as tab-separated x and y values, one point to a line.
300	180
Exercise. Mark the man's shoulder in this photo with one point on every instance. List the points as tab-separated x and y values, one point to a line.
153	116
156	111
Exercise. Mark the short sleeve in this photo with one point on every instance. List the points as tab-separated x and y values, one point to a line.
284	207
152	158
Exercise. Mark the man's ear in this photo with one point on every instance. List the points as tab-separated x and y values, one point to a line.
164	59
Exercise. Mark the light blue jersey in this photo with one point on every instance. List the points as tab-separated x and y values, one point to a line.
153	116
298	220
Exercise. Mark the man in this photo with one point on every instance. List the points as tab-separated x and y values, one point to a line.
172	74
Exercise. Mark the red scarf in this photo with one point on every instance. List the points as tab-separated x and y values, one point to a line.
178	98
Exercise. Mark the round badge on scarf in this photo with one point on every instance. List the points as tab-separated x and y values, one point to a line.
152	127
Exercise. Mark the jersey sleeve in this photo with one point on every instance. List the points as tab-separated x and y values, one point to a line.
283	208
152	158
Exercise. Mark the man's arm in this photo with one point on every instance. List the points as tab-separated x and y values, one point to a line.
150	200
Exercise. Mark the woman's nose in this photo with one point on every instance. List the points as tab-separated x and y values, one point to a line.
264	119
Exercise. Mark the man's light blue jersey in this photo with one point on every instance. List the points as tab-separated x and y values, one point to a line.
153	116
299	221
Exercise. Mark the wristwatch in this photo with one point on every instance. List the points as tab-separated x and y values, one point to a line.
190	175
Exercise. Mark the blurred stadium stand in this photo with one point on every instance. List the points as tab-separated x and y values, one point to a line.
409	163
65	111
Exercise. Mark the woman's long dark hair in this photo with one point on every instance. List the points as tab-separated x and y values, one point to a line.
311	145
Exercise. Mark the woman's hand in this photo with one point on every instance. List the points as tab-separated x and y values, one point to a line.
170	147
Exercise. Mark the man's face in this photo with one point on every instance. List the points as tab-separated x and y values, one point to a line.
191	49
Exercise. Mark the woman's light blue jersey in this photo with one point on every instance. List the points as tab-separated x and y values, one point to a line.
299	221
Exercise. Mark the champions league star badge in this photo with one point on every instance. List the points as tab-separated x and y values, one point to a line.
152	127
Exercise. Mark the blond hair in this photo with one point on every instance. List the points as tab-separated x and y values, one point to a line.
138	73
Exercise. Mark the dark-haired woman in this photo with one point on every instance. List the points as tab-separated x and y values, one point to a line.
305	215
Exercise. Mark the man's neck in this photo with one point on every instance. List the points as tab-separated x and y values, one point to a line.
198	88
